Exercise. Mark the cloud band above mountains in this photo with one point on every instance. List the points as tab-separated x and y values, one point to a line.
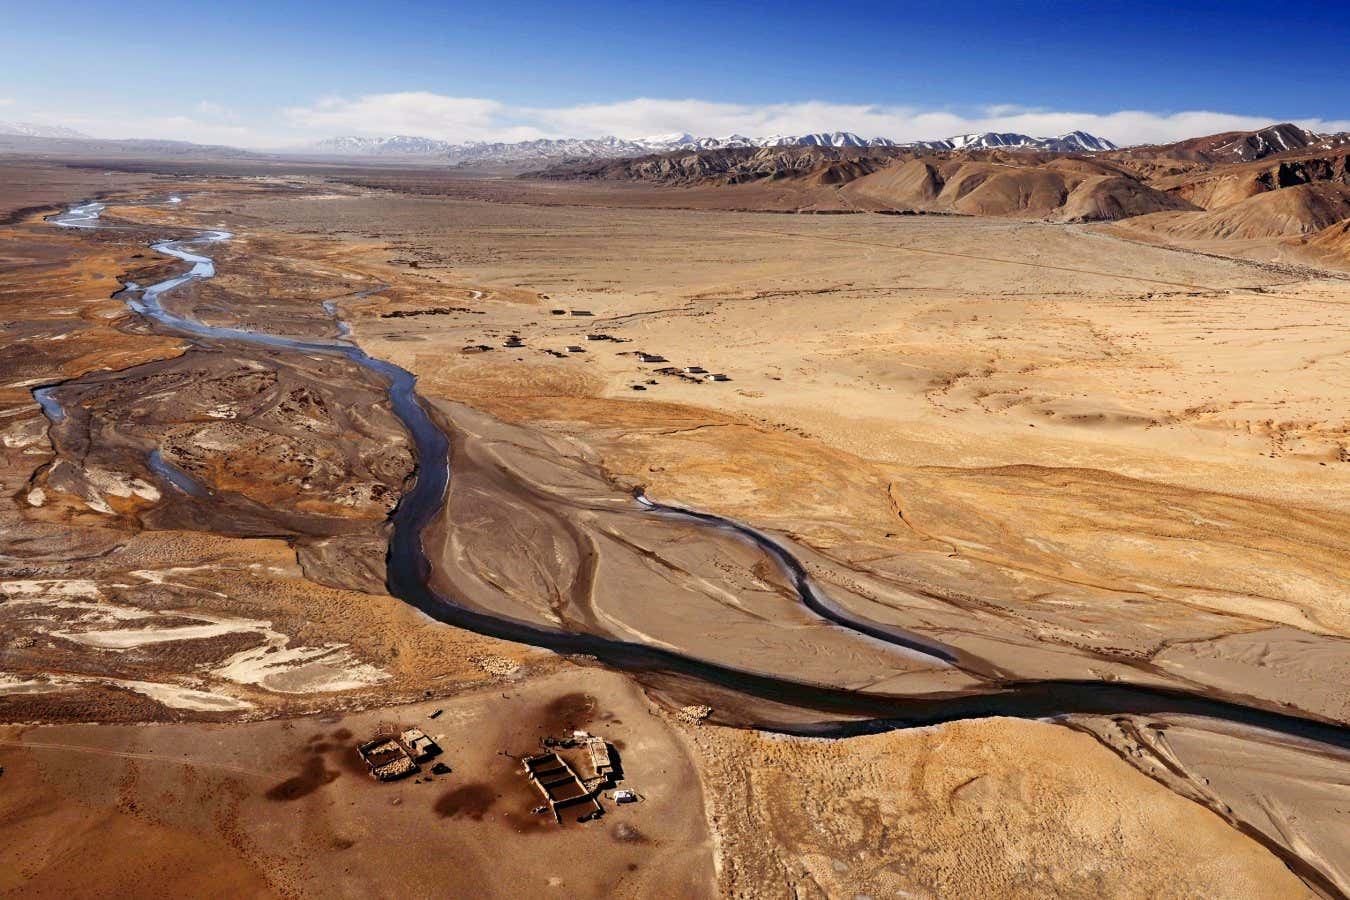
460	119
467	119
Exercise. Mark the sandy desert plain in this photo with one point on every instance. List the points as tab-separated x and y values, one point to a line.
1067	505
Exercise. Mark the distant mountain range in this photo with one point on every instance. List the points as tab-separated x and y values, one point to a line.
543	150
572	148
1233	147
29	129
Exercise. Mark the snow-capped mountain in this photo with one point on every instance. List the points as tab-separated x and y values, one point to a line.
1267	142
32	129
1081	141
604	147
553	149
546	149
489	151
1073	142
668	143
392	145
825	139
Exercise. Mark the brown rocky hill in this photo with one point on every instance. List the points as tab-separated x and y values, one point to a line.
1229	146
1012	184
1295	211
983	182
1220	186
738	165
1331	244
1276	183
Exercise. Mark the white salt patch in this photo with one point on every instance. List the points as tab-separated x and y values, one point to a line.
71	587
12	684
184	698
127	638
300	670
99	505
274	666
172	695
160	576
119	484
77	594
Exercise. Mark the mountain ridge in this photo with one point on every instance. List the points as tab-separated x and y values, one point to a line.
611	147
36	130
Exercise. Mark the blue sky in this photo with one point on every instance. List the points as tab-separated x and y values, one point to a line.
275	73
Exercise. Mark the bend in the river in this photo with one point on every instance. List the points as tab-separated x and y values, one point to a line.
409	578
409	570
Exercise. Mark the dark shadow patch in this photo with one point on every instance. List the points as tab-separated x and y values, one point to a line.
471	801
313	776
348	759
567	713
342	734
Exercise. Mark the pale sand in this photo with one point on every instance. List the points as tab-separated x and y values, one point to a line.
995	808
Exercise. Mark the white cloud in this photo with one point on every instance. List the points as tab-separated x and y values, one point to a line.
429	114
468	118
169	128
215	110
412	112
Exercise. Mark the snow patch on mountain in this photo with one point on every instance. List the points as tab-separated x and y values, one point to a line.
1268	142
32	129
1073	142
614	147
393	145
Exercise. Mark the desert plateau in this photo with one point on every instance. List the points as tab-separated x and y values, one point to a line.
803	516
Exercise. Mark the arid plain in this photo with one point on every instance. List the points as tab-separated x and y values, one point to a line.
1069	454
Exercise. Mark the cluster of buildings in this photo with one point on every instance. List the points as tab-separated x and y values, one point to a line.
391	758
560	784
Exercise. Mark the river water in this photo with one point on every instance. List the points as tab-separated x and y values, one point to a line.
409	570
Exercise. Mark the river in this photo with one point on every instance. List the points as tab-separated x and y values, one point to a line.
843	712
